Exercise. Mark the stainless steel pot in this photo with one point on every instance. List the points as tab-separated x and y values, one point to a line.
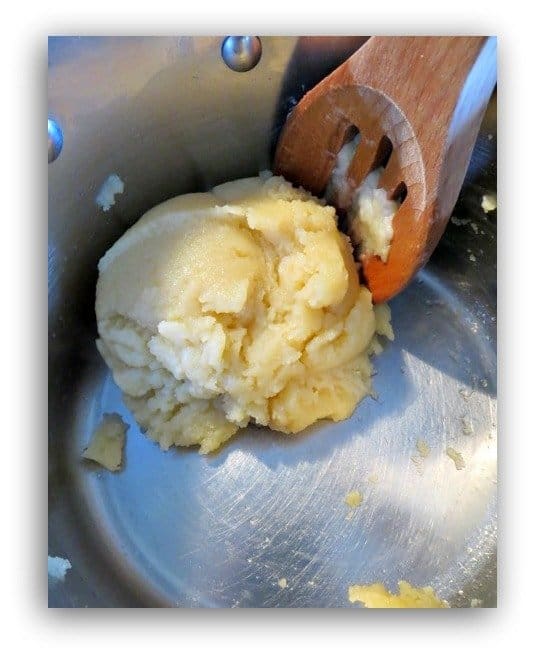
168	116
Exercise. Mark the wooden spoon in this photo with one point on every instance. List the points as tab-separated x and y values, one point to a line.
417	102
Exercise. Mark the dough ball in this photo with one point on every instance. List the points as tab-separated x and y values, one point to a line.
235	306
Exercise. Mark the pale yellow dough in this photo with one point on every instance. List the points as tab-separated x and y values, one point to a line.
370	211
107	443
354	498
235	306
376	595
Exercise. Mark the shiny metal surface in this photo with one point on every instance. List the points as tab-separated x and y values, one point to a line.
178	529
241	53
55	140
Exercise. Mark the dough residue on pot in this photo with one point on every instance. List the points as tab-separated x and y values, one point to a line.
235	306
107	442
58	568
376	595
488	203
423	448
354	498
457	458
112	186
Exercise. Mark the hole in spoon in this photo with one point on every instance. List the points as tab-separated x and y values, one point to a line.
400	193
350	133
383	153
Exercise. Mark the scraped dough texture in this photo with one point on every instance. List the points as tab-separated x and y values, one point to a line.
235	306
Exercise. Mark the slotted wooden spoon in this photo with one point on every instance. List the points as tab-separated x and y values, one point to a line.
417	103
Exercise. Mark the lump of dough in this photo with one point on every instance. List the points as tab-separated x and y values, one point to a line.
107	442
235	306
370	217
457	458
376	595
354	498
369	210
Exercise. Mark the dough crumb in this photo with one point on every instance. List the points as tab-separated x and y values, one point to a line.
107	442
468	427
488	203
111	187
472	257
476	603
58	568
459	222
282	583
423	448
377	596
456	457
419	464
373	478
354	498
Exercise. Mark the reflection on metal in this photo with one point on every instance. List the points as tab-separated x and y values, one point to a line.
241	53
55	140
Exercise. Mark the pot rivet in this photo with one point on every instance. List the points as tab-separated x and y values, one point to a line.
241	53
55	140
